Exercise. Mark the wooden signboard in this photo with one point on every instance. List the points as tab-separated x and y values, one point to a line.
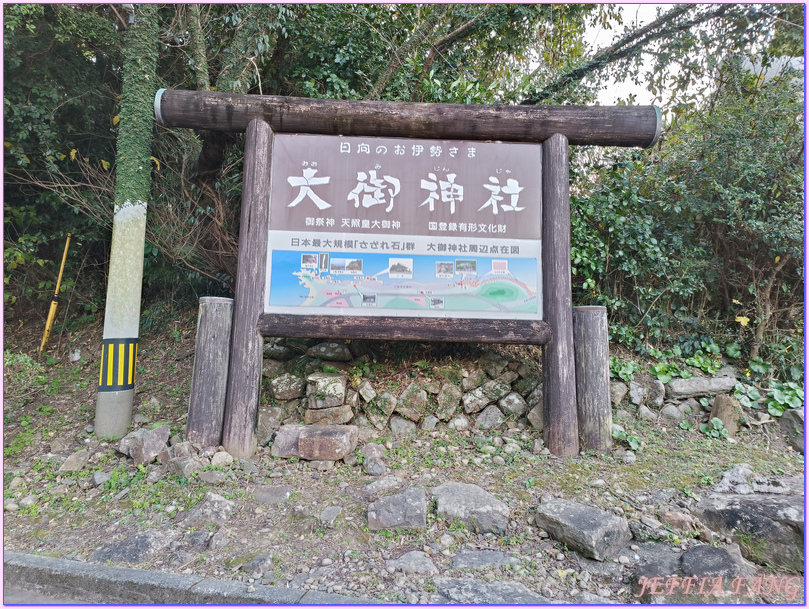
404	228
405	221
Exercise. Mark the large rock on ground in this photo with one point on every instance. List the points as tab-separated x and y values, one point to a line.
325	390
273	349
405	510
513	405
412	402
526	385
489	392
269	420
366	391
492	363
618	391
329	416
382	485
459	422
769	528
415	562
327	442
490	418
670	414
287	387
214	508
134	549
400	426
373	454
128	441
285	444
151	444
471	505
697	386
185	466
331	351
270	368
75	462
379	410
536	418
702	575
793	426
474	379
482	559
637	393
592	532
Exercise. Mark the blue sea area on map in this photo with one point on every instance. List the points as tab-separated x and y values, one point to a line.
284	284
286	288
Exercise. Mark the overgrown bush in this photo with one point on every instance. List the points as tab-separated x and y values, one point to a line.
701	239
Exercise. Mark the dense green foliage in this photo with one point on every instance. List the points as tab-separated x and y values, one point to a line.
696	244
701	239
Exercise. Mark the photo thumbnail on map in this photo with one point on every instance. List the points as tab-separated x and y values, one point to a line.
369	300
308	261
466	267
324	263
436	302
400	268
500	267
346	266
444	269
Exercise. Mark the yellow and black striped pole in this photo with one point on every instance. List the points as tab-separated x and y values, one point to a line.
55	301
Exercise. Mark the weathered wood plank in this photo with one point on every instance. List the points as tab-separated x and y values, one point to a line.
592	349
206	405
506	331
582	125
561	419
244	375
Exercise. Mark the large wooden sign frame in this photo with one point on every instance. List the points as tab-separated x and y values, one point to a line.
555	127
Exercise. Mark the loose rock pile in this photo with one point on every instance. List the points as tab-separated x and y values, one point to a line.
496	393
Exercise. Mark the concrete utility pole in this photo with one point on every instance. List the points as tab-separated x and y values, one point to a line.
116	382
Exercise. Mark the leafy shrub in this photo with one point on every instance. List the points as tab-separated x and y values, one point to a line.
715	428
784	396
623	370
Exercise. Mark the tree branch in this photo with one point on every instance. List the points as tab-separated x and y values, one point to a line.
629	46
198	49
407	48
436	46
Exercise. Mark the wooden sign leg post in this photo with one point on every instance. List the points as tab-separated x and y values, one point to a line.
558	369
244	375
592	347
206	405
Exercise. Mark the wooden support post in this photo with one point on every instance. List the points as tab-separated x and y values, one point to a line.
244	376
206	406
592	348
558	369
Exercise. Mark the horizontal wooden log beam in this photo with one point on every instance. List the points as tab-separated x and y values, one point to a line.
581	125
504	331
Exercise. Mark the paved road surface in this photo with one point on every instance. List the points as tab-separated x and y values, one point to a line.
12	596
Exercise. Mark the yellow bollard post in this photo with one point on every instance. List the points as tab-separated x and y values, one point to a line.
55	301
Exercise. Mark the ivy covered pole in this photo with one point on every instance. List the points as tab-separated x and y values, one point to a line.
116	381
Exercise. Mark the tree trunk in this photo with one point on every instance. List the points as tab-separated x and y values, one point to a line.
198	53
132	190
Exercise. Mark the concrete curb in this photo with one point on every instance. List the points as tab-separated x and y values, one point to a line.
93	583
